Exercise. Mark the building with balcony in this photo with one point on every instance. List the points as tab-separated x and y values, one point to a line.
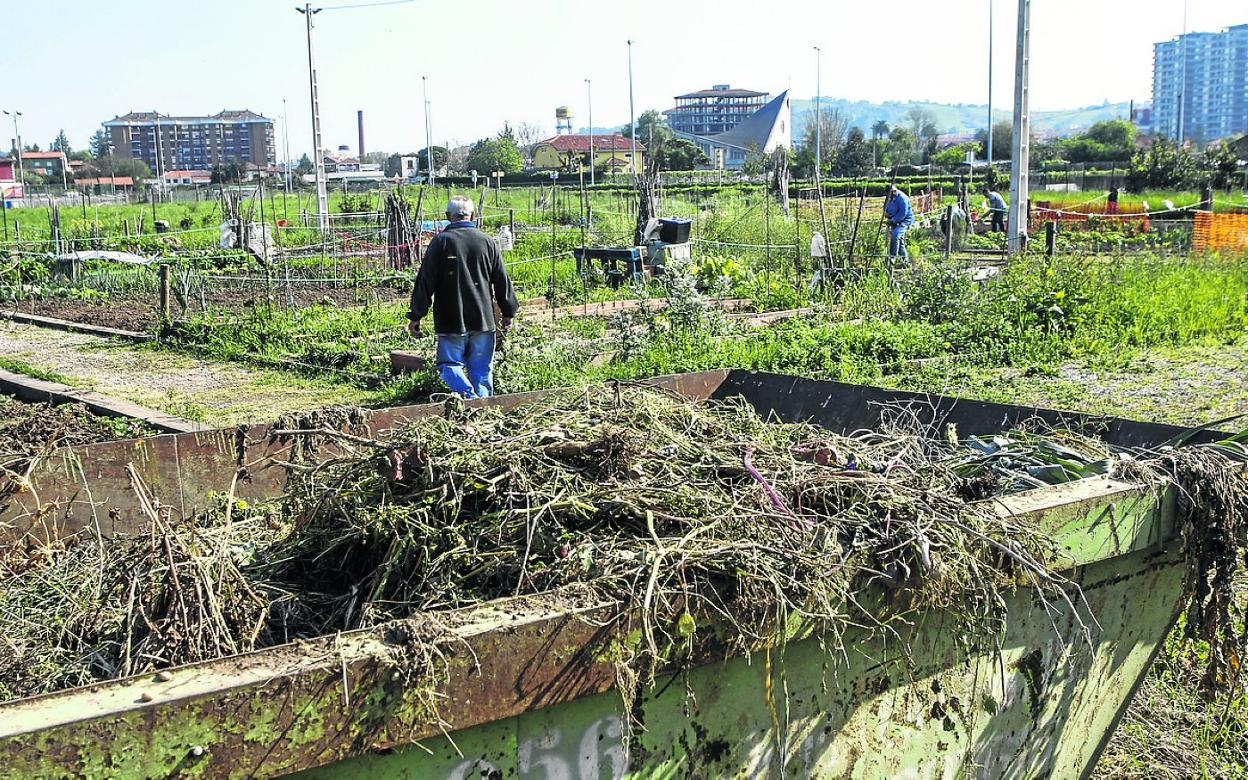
761	132
193	142
1201	80
713	111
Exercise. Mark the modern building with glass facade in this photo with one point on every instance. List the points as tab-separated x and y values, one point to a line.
1201	80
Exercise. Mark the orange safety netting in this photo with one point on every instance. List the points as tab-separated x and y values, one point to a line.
1045	211
1219	232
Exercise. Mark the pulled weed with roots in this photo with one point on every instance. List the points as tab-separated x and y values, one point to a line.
690	516
701	521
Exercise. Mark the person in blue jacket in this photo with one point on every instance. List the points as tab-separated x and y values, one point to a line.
996	208
900	217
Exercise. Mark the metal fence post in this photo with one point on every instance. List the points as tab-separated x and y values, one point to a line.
164	291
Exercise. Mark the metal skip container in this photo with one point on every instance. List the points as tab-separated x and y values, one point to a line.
530	689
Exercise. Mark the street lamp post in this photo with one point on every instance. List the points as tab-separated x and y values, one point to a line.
989	85
632	120
424	81
818	114
286	144
589	99
17	136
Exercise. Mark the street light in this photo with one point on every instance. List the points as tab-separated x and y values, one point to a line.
424	81
818	114
632	121
17	135
989	85
589	98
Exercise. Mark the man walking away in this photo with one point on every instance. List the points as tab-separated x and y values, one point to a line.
996	207
900	217
462	277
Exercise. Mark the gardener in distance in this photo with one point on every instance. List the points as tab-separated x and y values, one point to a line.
462	278
996	209
900	217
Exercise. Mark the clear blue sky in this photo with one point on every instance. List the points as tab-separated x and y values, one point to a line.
75	63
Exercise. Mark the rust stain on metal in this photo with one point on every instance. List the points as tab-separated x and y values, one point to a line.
190	467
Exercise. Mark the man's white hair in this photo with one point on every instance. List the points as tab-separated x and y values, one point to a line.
460	207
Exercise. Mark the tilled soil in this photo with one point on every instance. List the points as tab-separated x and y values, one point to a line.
27	429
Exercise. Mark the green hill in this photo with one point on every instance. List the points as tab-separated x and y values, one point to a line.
958	118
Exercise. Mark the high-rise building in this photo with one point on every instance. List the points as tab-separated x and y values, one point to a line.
1201	79
193	142
713	111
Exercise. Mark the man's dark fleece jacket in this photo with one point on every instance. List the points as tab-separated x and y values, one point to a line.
462	275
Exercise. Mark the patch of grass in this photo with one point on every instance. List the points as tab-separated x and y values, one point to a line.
19	366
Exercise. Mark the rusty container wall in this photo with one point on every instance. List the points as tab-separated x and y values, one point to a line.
918	706
533	699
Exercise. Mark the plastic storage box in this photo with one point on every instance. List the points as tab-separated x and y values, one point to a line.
674	230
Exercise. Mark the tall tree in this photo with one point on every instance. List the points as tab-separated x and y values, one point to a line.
855	155
495	154
834	125
100	143
878	130
900	149
528	135
1002	140
61	143
679	154
229	172
440	156
651	128
305	166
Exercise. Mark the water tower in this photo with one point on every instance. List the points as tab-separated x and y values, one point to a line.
563	121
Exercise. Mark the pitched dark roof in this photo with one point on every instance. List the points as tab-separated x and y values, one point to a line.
756	128
579	142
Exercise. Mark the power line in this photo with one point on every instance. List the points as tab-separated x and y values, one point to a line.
366	5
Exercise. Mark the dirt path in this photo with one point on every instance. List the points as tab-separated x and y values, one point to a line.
1190	385
215	393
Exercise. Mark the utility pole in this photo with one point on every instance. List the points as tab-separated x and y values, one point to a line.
818	113
1182	75
1021	158
990	84
424	81
17	134
632	121
286	143
160	162
589	98
322	200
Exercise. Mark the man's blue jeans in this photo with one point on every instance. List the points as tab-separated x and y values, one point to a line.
466	363
897	241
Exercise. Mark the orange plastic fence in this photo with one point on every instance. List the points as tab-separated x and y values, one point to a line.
1219	232
1045	211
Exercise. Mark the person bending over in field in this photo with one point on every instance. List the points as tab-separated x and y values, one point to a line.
996	208
462	277
900	217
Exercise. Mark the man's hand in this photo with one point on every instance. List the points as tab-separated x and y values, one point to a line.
506	324
413	328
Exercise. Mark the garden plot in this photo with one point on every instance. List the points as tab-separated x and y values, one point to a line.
202	390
